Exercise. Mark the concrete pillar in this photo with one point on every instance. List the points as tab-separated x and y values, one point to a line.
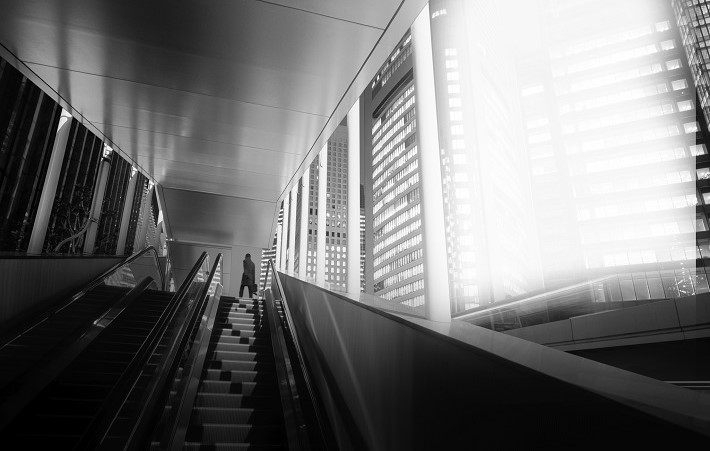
126	216
353	248
49	190
436	278
279	242
322	209
98	201
303	251
292	229
284	232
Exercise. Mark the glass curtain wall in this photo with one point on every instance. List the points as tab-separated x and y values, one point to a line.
568	152
136	206
28	126
29	118
112	207
75	190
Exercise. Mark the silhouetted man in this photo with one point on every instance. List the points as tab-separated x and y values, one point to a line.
248	277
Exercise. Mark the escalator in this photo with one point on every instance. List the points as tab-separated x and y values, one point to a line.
237	404
72	375
124	364
60	415
305	368
18	356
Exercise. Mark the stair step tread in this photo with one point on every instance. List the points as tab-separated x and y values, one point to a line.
235	433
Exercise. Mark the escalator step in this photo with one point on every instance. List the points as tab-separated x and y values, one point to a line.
243	356
235	433
240	347
239	376
241	365
255	341
222	415
196	446
239	388
235	401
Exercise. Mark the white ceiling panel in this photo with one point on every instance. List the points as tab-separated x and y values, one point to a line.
366	12
183	206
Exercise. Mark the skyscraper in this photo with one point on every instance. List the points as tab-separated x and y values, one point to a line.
613	136
336	211
492	250
392	170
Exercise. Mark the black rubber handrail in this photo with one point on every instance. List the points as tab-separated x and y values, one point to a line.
294	420
40	318
156	395
288	324
111	407
176	428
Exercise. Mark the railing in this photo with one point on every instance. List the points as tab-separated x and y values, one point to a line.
295	407
390	381
187	298
603	294
135	273
176	424
127	273
197	287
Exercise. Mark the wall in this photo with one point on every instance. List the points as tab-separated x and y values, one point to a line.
28	284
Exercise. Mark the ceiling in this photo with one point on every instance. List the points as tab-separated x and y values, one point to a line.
222	102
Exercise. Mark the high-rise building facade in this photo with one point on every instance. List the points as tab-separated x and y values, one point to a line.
693	20
392	171
491	246
613	133
336	241
269	253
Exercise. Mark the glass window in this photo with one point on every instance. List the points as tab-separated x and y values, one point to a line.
668	45
655	288
685	105
663	26
673	64
691	127
679	84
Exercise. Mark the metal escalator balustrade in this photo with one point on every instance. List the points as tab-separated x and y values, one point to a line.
41	348
371	368
229	386
67	400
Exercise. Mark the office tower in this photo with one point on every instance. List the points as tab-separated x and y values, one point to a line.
312	255
491	245
270	253
336	211
392	174
693	20
613	135
692	17
362	239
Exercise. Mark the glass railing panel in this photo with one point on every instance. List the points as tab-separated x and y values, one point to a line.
599	295
364	298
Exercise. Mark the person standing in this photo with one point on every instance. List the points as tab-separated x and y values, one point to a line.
248	276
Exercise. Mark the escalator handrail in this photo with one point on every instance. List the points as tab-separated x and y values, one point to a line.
111	407
39	319
175	431
157	393
288	323
33	380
